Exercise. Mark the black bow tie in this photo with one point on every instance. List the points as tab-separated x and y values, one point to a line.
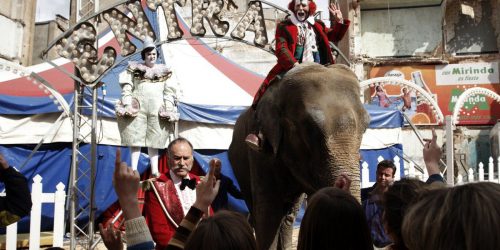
188	183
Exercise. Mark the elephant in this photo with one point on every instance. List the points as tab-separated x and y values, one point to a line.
313	122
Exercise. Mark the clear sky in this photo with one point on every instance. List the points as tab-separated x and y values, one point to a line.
47	9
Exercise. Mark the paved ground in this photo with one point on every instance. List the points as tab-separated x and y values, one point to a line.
295	237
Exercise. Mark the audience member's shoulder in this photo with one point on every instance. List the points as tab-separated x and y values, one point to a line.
365	193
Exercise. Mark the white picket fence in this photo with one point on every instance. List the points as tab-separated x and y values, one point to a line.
480	176
38	197
411	172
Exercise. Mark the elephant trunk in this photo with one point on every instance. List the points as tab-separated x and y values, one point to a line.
344	159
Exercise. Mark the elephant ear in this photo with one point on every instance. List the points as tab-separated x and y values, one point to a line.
269	119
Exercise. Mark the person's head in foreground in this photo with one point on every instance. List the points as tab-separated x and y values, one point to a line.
461	217
334	219
396	202
225	230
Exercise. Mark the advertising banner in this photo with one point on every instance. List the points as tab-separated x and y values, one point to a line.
445	83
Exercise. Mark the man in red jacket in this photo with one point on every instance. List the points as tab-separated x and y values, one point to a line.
169	197
301	38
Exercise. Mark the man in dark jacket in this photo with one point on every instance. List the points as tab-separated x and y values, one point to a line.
372	202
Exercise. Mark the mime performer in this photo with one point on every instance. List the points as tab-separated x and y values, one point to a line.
148	108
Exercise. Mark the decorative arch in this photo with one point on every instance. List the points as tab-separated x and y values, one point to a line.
133	19
468	93
36	79
438	114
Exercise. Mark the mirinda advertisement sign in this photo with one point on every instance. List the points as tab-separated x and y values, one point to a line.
445	83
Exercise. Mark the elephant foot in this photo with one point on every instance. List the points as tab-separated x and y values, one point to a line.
254	142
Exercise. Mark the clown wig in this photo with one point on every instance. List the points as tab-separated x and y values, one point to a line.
312	6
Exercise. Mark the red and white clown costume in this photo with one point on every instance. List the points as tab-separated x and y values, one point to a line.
301	38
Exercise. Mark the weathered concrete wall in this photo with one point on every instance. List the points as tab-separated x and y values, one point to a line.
45	33
11	45
18	17
471	27
400	32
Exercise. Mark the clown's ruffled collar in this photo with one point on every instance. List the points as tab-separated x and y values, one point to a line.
158	71
296	21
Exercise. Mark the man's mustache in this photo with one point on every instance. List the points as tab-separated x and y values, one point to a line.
179	167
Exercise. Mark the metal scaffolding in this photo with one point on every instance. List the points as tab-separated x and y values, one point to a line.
81	197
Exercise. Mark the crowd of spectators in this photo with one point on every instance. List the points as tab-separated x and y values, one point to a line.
404	214
414	215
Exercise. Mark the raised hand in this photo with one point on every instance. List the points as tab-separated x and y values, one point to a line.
334	9
207	189
432	154
112	238
126	183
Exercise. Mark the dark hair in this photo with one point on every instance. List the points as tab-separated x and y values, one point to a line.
396	200
334	219
387	164
146	50
462	217
225	230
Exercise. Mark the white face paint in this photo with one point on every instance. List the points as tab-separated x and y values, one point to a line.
301	10
150	58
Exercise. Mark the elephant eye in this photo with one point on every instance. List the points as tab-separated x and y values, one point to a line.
317	115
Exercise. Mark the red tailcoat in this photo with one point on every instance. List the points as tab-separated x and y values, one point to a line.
286	41
161	228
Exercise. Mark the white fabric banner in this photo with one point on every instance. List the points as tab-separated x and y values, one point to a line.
381	138
16	129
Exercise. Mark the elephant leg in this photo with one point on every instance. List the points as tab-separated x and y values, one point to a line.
268	219
286	228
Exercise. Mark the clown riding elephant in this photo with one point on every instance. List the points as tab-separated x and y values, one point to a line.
312	120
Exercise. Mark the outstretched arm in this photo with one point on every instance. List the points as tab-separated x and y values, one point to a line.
335	12
338	25
432	155
126	183
283	47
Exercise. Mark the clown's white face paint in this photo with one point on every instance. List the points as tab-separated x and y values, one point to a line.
301	10
150	58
